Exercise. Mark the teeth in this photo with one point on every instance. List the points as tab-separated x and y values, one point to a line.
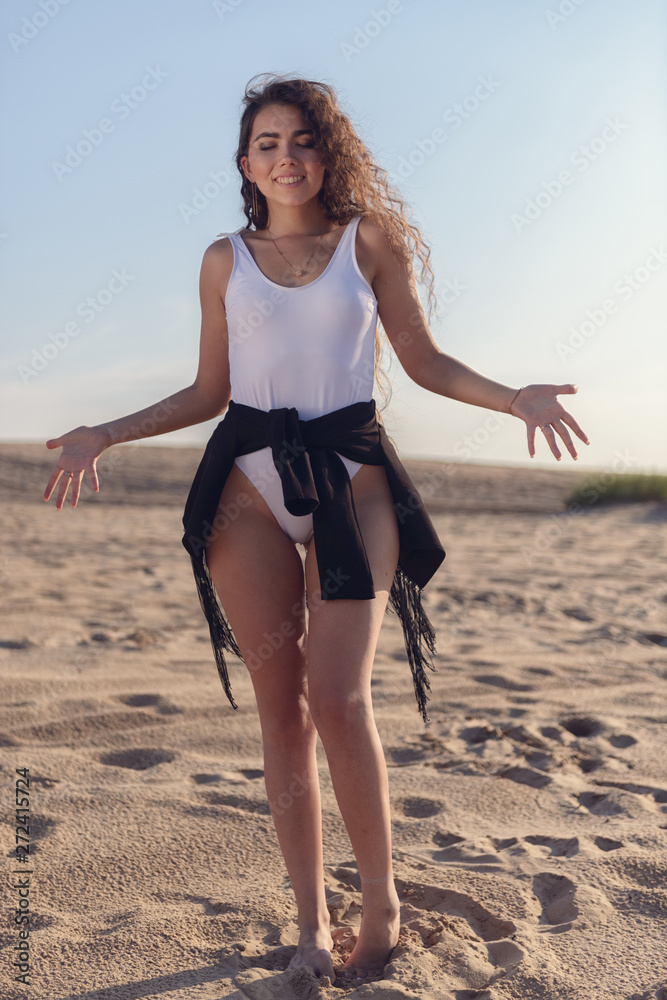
288	180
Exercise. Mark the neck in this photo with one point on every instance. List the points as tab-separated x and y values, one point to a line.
300	220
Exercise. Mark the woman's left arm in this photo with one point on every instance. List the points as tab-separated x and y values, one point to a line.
403	319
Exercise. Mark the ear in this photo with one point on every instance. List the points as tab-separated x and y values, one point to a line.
246	170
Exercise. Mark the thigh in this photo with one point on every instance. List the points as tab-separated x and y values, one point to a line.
342	635
258	575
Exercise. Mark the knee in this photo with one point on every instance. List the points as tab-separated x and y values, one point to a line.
286	723
340	715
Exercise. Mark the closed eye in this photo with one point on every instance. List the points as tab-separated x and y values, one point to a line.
303	145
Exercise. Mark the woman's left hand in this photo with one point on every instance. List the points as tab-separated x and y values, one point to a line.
538	407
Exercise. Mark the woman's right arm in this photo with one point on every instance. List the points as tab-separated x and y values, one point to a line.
207	397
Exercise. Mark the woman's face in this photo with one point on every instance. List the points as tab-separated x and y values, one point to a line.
282	159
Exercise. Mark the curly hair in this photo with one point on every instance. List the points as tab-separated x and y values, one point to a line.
353	183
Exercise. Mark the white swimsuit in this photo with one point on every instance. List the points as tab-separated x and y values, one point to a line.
311	347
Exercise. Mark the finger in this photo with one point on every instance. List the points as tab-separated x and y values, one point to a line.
54	443
92	475
569	388
62	492
76	487
568	419
551	440
562	430
531	440
50	486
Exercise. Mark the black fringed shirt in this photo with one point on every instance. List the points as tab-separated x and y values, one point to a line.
315	480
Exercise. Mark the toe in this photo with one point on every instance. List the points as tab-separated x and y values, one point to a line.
347	974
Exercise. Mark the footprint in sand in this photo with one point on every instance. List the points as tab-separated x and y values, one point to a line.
606	844
206	779
556	895
94	724
453	926
446	936
659	795
497	680
163	706
652	637
233	777
478	855
237	802
583	725
578	613
622	741
618	802
137	759
420	808
589	764
559	847
526	776
210	906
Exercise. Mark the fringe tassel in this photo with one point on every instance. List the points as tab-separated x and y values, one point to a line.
405	600
221	634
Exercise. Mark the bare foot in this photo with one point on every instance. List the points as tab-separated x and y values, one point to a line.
314	950
378	936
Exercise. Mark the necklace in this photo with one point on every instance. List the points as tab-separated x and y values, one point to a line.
298	271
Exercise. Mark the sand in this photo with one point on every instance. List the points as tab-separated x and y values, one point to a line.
529	816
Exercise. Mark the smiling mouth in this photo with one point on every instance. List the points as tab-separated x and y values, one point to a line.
287	181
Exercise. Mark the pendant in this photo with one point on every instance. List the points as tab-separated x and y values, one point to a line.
298	273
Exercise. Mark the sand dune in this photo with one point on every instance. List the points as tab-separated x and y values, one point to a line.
529	817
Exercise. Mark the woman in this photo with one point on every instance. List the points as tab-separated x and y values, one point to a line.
289	348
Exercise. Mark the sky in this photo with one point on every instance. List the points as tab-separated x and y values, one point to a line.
526	136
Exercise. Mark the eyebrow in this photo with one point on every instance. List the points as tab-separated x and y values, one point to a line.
276	135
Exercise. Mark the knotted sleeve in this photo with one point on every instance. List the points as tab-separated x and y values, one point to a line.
291	461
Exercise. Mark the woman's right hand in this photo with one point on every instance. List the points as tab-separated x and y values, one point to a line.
80	450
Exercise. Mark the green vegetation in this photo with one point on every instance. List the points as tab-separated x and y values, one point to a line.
607	487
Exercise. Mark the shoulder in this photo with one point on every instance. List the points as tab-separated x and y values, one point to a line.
218	260
219	251
216	268
375	248
370	234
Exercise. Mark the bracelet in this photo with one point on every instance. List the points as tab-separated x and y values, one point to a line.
509	408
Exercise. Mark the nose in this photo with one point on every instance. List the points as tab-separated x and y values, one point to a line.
288	155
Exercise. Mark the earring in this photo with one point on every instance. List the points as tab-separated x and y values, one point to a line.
254	203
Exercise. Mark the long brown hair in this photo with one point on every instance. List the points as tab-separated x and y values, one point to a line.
353	183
